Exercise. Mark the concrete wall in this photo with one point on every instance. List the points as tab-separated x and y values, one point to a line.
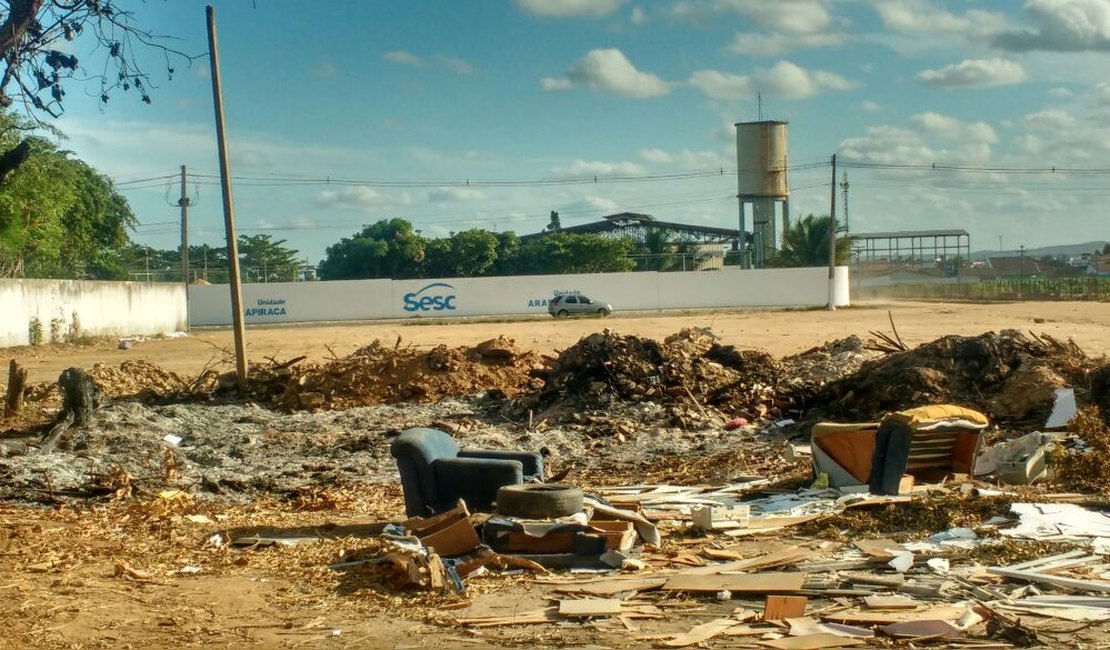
293	302
112	308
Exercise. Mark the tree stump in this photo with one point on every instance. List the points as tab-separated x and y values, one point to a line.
17	386
80	398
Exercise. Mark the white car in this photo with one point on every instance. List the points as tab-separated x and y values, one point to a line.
577	305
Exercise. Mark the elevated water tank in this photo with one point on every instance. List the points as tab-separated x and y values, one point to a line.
761	159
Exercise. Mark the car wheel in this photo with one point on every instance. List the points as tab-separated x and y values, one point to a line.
562	313
539	500
603	312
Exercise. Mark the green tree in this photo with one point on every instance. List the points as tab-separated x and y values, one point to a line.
806	243
95	230
262	259
562	252
386	249
470	253
1106	249
33	202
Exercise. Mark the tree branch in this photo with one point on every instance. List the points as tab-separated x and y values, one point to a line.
22	14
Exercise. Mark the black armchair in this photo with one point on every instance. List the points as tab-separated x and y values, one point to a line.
435	473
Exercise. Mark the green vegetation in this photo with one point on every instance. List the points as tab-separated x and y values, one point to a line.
806	243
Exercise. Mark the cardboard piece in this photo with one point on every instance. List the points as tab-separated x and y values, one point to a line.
589	607
449	533
778	608
884	549
751	583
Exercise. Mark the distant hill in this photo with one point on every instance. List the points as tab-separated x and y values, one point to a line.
1070	250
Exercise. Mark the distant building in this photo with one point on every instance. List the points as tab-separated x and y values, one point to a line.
1011	267
1099	265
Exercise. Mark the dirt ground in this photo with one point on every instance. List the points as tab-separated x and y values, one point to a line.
134	572
777	332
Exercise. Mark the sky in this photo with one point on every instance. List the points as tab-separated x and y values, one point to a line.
492	113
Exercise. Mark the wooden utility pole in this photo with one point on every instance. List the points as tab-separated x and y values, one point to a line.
229	210
184	203
832	239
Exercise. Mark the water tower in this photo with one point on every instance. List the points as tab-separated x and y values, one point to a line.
761	178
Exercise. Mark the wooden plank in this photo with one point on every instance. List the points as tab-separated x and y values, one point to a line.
878	547
612	586
702	633
943	613
778	608
814	642
1056	581
588	607
1047	560
890	602
751	583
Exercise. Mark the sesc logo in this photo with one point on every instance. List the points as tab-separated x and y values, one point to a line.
432	301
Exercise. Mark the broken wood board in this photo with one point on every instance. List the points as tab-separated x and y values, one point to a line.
942	613
589	607
814	642
1055	581
702	633
751	583
770	524
532	617
890	602
777	558
879	548
612	586
807	625
778	608
923	629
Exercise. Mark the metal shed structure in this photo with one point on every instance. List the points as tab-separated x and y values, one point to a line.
908	247
637	226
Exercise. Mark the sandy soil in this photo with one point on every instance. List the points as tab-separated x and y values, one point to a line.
777	332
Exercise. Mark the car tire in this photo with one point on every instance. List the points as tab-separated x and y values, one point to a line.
603	312
562	313
539	500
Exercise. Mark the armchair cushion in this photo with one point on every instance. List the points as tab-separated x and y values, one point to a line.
531	461
474	480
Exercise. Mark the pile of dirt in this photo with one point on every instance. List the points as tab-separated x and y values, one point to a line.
1085	470
1008	375
807	373
377	374
689	371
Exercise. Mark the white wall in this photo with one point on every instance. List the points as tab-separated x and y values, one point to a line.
112	308
292	302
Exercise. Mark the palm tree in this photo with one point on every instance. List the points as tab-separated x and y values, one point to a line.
806	243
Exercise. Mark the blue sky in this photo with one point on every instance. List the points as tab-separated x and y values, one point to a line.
435	93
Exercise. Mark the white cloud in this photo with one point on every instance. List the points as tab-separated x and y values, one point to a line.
586	168
1063	26
1101	92
952	129
552	84
784	79
685	158
609	70
754	44
638	17
401	57
780	16
975	72
569	8
869	106
364	199
324	68
1051	119
456	195
923	17
455	64
896	145
1060	93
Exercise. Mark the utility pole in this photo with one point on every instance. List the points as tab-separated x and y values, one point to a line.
229	209
832	239
184	203
844	188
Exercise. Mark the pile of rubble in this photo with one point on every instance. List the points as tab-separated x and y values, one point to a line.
1007	374
689	371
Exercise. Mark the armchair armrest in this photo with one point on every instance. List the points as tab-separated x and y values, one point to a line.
531	461
475	480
